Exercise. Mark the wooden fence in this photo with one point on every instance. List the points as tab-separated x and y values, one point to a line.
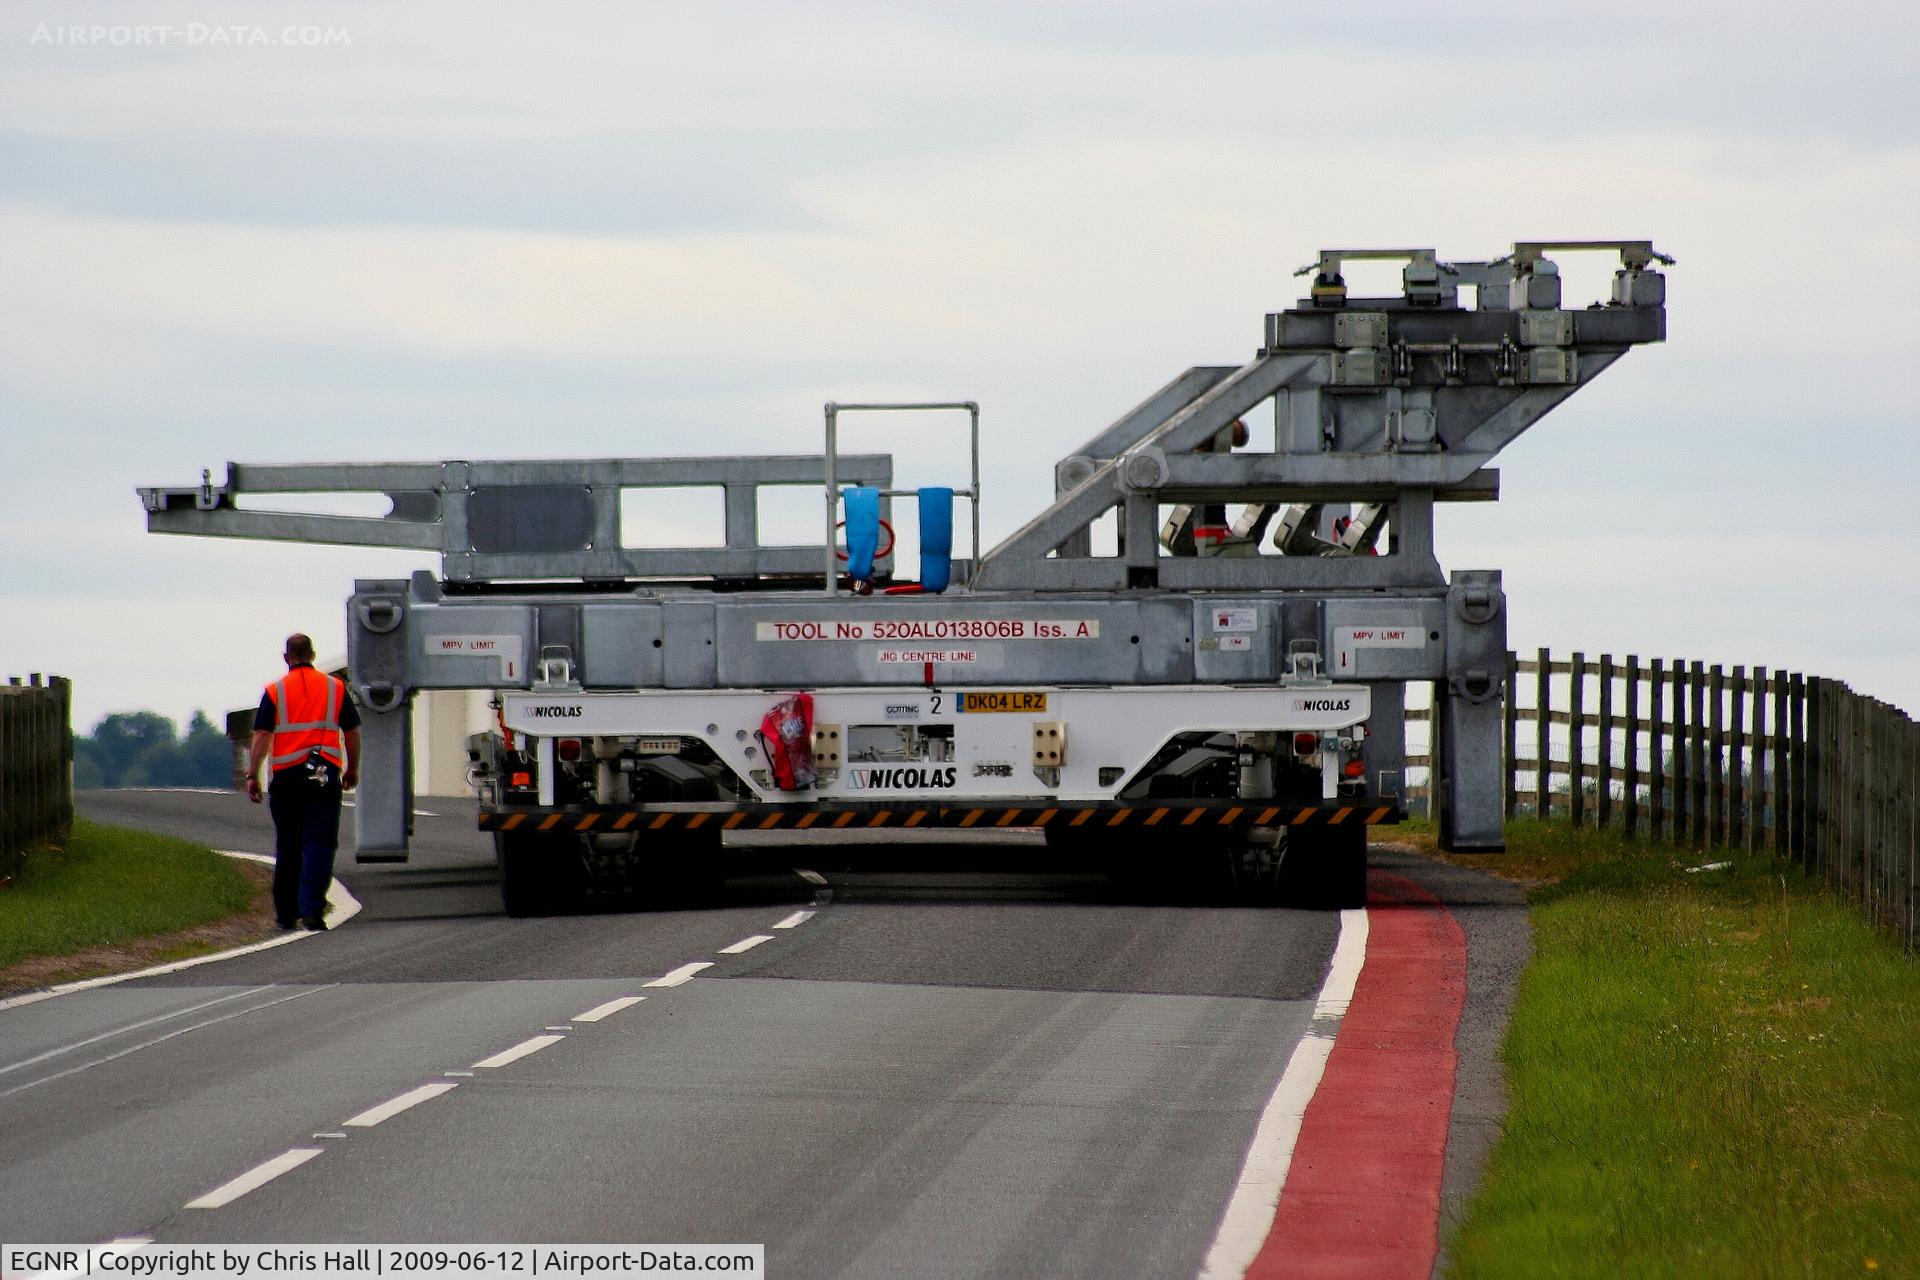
1713	757
36	767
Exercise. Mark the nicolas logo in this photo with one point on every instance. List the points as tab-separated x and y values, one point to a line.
901	779
556	712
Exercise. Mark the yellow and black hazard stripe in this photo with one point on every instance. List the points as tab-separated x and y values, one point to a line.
828	816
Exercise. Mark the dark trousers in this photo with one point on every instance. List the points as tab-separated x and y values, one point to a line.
306	830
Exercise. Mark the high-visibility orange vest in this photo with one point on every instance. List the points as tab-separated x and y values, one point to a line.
306	718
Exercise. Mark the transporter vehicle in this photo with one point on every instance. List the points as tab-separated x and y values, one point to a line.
1220	688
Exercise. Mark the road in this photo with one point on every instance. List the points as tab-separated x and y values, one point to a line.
971	1061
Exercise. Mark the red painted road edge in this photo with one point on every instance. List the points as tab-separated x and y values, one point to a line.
1362	1198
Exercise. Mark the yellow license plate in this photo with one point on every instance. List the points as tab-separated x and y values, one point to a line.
1019	701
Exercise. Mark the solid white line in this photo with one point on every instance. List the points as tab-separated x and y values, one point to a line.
795	920
811	877
608	1009
683	974
518	1052
746	944
254	1178
1249	1214
394	1106
148	1044
343	906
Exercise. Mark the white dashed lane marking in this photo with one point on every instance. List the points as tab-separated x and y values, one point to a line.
519	1051
683	974
394	1106
262	1174
608	1009
254	1178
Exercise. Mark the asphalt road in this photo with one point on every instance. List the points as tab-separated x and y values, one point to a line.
962	1062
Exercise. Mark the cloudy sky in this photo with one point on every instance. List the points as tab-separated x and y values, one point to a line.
471	231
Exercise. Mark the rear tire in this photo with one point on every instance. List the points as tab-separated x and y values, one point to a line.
540	874
1325	868
1256	866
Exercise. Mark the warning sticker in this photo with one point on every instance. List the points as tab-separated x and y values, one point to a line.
962	656
923	629
1347	640
1236	620
1003	700
505	648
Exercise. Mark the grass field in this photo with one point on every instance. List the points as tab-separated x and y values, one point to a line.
1713	1073
107	886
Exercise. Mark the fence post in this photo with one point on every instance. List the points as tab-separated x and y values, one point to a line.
1697	754
1543	735
1604	765
6	787
1577	738
1844	786
1913	835
1737	759
1656	751
1682	753
1630	793
1882	819
65	717
1803	839
1757	793
1859	745
1716	758
1785	726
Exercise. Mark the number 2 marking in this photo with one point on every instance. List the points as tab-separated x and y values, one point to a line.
936	704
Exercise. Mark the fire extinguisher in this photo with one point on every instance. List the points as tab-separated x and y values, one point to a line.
786	736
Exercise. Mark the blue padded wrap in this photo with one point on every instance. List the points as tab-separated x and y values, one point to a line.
863	530
936	538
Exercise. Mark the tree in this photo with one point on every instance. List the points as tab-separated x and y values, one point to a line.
209	756
140	749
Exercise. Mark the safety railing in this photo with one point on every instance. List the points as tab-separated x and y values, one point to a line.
36	767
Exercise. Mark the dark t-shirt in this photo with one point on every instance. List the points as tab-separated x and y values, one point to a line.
264	717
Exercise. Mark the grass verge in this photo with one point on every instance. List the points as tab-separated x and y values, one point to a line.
106	888
1713	1073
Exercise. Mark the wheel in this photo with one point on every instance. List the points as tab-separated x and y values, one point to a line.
1325	867
661	872
1168	865
1255	865
540	874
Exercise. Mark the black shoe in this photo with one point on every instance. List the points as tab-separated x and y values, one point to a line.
313	924
287	925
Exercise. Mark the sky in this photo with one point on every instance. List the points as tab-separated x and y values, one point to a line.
323	232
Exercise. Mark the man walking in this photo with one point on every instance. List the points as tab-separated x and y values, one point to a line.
310	731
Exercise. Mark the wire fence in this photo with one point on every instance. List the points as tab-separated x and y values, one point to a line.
36	767
1712	757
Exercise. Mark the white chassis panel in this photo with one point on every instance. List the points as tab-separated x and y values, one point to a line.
1114	728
